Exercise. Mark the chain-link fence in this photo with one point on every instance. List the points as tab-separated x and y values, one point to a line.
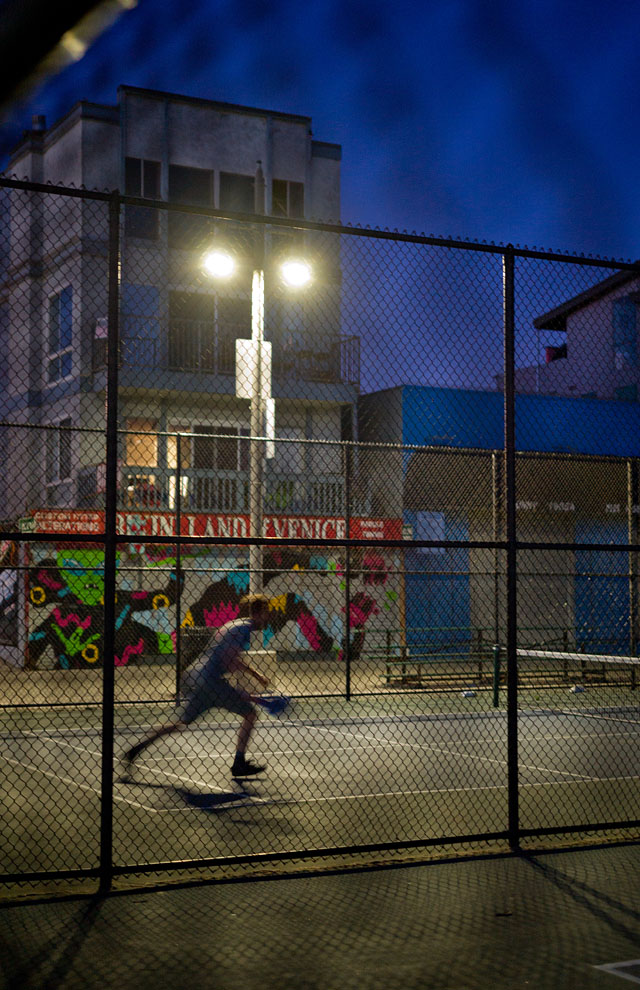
425	462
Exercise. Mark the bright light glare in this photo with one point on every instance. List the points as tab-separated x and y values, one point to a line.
219	264
296	273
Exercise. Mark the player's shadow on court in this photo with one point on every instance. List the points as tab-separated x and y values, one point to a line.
207	800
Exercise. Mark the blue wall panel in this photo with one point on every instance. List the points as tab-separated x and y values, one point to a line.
463	418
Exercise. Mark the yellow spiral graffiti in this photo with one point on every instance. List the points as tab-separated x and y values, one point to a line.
90	653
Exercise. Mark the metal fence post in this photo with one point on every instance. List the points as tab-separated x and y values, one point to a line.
178	567
510	506
110	548
347	571
632	535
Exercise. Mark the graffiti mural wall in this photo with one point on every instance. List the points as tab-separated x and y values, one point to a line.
8	593
306	590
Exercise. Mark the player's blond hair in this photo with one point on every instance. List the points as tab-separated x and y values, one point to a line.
251	604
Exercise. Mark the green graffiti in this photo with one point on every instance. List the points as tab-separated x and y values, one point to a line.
74	643
165	643
83	570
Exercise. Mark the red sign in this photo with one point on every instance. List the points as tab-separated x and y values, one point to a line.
217	525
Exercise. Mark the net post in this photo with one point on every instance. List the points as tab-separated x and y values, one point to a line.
496	675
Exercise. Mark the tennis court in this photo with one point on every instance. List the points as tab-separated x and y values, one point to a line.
339	775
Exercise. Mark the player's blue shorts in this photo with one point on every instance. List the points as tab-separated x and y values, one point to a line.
198	695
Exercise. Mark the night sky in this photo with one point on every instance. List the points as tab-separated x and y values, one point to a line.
488	119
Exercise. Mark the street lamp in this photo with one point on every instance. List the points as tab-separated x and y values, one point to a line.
253	382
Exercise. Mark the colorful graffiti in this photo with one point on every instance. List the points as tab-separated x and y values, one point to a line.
8	593
306	592
66	593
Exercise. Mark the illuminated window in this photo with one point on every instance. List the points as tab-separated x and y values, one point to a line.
141	443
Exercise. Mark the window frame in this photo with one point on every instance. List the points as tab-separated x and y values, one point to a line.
56	355
55	456
289	211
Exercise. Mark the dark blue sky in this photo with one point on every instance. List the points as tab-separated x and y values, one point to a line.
488	119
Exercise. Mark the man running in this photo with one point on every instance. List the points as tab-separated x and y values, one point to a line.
203	685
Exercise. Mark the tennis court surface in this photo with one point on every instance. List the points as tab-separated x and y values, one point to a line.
339	775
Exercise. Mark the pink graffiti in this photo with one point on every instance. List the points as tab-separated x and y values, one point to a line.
139	594
128	652
44	578
374	570
360	609
72	617
309	629
220	614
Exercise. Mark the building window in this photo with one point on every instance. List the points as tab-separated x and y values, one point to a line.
141	443
625	334
287	198
141	178
59	441
289	457
237	192
59	359
221	448
193	187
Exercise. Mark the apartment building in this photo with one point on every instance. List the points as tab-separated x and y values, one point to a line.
184	417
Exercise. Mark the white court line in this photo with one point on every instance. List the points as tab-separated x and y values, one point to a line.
379	743
473	757
330	798
145	766
601	718
431	790
75	783
617	969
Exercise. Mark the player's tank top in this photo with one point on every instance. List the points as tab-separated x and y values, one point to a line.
234	637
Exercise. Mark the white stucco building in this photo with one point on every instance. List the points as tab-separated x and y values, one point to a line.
596	353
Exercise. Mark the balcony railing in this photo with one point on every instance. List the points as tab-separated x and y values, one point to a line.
148	488
199	347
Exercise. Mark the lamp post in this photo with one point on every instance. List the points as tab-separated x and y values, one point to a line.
253	382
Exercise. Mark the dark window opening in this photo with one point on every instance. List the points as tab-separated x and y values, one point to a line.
222	448
193	187
141	178
287	198
237	192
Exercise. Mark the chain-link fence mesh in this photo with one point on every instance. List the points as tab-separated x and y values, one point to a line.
181	430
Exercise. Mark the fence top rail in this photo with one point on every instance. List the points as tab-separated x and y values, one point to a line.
583	657
352	444
459	243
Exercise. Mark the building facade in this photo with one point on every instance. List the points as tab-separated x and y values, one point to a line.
596	351
576	482
183	420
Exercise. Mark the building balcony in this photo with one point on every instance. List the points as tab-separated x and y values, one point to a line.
149	488
198	347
